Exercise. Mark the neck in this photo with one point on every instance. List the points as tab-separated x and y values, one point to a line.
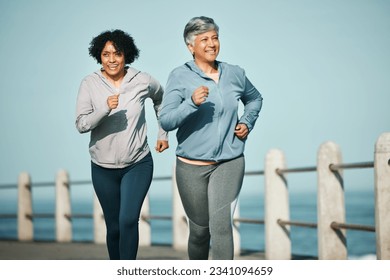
207	67
115	80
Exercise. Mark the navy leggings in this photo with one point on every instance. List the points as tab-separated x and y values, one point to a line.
121	193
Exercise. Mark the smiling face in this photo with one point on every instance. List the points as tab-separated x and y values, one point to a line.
113	62
205	47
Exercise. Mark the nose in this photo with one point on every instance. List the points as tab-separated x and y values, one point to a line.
211	42
112	58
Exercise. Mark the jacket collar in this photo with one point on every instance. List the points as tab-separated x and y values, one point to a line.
193	67
130	74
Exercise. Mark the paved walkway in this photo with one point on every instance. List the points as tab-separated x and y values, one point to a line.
15	250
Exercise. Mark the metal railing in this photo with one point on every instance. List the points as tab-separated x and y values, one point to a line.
334	168
331	224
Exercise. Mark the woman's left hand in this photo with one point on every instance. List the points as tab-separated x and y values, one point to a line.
161	146
241	131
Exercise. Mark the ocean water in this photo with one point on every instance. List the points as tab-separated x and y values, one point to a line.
359	210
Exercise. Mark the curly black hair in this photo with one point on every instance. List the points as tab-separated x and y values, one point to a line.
122	42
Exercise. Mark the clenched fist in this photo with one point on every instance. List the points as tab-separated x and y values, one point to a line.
241	131
199	95
113	101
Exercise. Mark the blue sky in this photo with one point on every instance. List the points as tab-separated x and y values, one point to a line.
323	68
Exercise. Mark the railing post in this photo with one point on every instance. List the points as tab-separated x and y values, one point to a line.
99	225
145	232
63	208
330	204
382	196
25	222
236	230
179	218
277	238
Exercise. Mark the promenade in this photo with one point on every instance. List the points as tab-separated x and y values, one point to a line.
331	224
16	250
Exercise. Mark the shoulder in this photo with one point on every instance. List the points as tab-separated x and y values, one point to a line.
92	76
179	74
144	78
177	71
90	79
231	71
182	69
232	67
132	72
136	75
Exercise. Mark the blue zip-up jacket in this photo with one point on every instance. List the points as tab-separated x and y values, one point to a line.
206	132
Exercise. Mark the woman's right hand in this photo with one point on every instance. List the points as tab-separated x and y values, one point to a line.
113	101
199	95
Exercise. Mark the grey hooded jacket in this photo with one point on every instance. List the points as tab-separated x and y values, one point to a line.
118	136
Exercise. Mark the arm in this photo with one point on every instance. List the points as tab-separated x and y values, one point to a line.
176	107
253	102
88	116
156	95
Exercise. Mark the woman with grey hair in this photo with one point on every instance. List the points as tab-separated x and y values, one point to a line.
201	101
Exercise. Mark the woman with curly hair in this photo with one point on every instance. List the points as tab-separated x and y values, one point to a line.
111	105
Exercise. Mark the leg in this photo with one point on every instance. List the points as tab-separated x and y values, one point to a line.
224	188
106	183
192	184
134	187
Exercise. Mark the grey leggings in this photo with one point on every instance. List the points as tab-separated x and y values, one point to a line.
209	195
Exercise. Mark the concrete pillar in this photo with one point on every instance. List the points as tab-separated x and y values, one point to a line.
382	196
63	208
25	222
236	231
145	232
330	204
99	225
179	219
277	238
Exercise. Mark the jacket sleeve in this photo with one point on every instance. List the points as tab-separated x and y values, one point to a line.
88	116
176	107
253	101
156	94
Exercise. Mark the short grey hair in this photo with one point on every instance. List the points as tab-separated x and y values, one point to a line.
196	26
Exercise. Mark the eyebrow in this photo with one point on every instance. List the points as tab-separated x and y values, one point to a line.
116	52
206	36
